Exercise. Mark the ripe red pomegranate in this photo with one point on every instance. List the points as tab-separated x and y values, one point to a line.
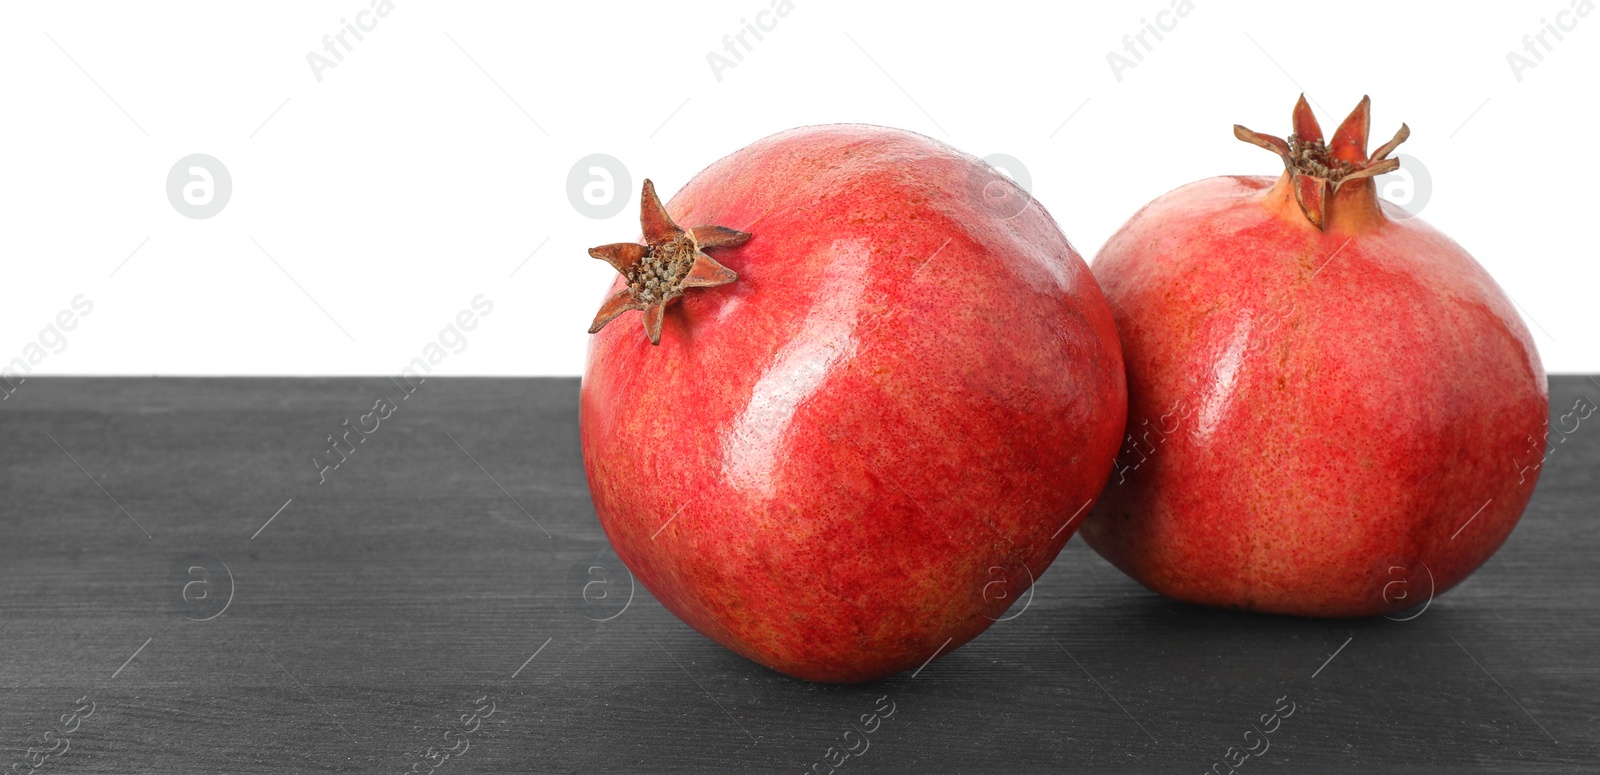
887	389
1326	396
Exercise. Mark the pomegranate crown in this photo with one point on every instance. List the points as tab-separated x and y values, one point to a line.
1316	169
671	261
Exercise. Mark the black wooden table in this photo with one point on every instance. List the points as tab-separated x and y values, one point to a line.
448	587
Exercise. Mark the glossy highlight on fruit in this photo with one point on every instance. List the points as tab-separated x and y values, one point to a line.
860	449
1327	397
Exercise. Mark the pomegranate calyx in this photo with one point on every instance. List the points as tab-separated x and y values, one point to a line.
1318	169
670	262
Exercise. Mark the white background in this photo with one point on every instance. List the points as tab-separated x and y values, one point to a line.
406	182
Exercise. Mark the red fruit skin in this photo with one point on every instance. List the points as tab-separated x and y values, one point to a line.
859	454
1356	417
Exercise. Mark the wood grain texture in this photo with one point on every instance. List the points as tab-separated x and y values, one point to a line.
458	540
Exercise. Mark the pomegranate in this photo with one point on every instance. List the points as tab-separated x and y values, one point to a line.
1326	396
887	388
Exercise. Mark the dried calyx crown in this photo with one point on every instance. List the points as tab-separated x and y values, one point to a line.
670	262
1316	169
